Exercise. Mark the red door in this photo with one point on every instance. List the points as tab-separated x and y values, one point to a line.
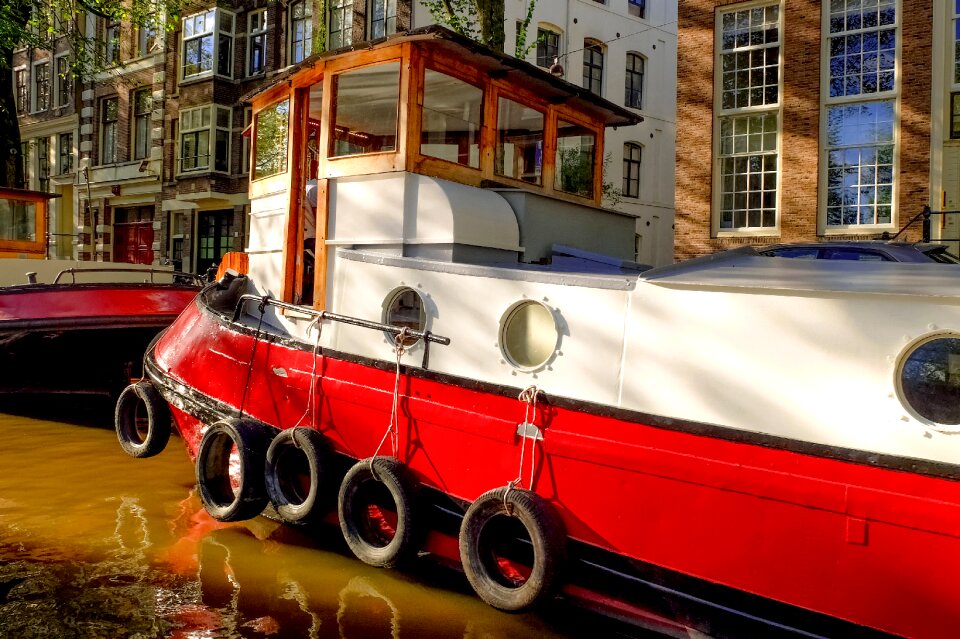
133	242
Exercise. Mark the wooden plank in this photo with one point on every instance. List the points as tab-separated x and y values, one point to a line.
320	260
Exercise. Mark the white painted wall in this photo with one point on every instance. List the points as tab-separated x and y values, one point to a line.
654	37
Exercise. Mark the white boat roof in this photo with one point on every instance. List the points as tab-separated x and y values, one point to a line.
745	269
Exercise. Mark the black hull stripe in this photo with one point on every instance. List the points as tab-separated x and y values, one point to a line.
898	463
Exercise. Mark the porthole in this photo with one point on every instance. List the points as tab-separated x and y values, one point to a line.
928	379
528	335
404	308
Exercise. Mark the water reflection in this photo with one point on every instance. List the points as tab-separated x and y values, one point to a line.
96	544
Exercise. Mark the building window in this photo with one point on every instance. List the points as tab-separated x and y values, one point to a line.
592	67
548	47
634	81
519	150
451	118
65	150
340	24
749	118
383	18
632	156
111	43
256	42
205	133
142	106
43	163
366	105
301	30
20	80
109	115
149	39
637	8
41	86
208	37
955	116
64	81
860	134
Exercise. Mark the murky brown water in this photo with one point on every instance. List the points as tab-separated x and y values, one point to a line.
96	544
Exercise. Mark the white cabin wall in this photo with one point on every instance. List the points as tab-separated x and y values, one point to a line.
810	368
655	38
268	217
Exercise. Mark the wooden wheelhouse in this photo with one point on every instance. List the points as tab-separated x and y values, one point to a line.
428	103
23	223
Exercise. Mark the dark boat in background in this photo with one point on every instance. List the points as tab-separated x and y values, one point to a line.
74	327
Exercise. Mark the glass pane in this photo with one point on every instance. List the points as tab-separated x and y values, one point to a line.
519	141
270	149
930	380
18	221
366	104
575	160
452	115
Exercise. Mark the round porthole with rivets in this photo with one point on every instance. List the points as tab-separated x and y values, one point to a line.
528	335
404	308
928	379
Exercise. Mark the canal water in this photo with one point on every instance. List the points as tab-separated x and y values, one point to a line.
95	544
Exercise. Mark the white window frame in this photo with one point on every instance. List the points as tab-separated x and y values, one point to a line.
61	85
135	117
307	40
149	36
35	95
826	102
722	114
70	153
388	18
112	53
25	101
213	27
191	122
346	7
253	32
108	150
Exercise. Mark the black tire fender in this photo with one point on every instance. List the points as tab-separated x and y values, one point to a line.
243	495
142	420
373	492
491	554
297	475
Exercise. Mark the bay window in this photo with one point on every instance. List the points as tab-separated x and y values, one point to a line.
207	44
205	134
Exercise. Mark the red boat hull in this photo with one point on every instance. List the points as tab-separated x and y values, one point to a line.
81	338
871	540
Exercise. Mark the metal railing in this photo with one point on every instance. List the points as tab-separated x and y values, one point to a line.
176	275
926	217
334	317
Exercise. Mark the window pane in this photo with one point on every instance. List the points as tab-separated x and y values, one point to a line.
366	103
748	171
270	150
519	141
750	58
452	113
575	159
17	221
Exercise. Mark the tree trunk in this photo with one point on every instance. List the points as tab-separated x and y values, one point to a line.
490	14
11	165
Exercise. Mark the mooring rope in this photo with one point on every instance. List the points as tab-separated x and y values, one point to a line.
311	393
529	397
392	429
256	338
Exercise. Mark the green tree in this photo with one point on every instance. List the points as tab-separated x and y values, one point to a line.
481	20
47	24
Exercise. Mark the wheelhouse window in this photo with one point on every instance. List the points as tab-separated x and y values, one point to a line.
383	18
270	147
519	152
301	30
41	86
633	87
340	24
593	67
205	133
748	118
207	44
548	47
18	221
142	106
109	117
575	159
366	104
632	161
256	41
860	114
452	116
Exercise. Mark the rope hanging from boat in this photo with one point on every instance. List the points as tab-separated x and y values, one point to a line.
529	397
311	408
392	429
262	307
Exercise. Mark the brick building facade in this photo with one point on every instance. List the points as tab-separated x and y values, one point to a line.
815	117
